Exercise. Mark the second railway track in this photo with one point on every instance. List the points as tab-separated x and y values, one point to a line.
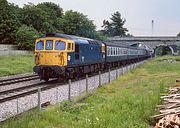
31	88
18	79
25	90
18	87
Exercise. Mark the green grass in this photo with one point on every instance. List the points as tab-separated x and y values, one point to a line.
11	65
128	102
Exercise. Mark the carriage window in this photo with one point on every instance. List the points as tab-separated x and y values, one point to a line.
125	51
60	45
40	45
49	45
111	51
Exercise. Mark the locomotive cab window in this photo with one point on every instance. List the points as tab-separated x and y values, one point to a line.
72	46
59	45
49	45
40	45
69	46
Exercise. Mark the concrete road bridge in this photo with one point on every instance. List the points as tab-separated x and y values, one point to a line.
150	41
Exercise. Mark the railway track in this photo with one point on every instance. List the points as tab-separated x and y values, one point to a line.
19	79
16	91
26	90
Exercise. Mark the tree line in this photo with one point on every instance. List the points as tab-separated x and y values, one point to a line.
21	25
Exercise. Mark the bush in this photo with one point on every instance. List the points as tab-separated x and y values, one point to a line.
25	37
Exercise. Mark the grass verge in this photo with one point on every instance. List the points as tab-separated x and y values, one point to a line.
124	103
11	65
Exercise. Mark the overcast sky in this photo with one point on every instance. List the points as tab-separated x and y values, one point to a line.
138	13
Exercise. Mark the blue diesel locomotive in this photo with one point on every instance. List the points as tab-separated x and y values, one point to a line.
64	56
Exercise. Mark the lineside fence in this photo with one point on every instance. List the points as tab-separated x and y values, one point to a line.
60	93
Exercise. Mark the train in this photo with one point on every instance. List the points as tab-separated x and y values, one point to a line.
64	56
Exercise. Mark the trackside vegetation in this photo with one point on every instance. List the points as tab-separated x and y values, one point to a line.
128	102
21	25
17	64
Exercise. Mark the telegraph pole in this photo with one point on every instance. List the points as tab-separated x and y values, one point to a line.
152	27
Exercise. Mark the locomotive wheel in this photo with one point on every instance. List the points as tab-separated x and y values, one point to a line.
46	79
76	76
62	78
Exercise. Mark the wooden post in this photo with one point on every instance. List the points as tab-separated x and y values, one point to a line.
39	99
69	91
122	68
132	66
99	78
86	83
116	72
56	94
109	75
17	106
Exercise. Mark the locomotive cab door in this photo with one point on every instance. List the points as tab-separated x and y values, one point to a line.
77	54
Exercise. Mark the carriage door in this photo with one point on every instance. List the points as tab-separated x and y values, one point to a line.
77	55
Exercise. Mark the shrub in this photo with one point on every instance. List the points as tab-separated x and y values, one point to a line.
25	37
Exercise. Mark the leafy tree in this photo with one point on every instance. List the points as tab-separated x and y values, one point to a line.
108	29
115	26
36	17
51	9
8	22
43	17
75	23
20	25
54	12
25	37
129	35
70	22
178	35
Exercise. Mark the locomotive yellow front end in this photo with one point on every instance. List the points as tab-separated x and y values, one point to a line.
51	56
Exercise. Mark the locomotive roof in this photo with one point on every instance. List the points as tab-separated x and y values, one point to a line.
72	37
121	45
85	40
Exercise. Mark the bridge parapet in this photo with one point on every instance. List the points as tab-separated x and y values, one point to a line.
165	38
151	42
